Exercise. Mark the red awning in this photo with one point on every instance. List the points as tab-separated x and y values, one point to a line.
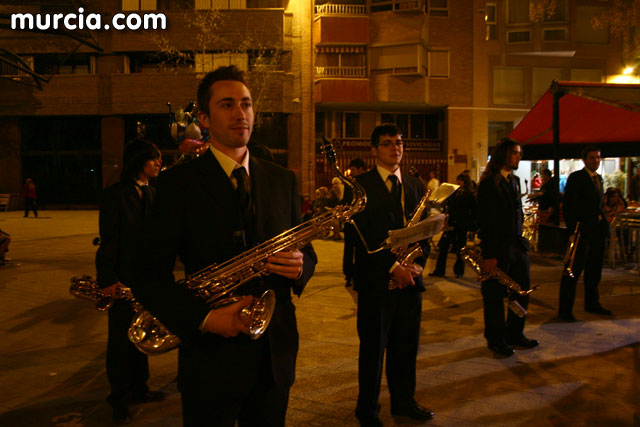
589	113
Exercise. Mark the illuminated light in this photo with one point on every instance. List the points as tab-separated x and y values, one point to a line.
621	78
628	70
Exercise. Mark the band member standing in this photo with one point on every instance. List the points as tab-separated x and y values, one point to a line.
208	211
461	210
124	208
387	319
583	202
500	230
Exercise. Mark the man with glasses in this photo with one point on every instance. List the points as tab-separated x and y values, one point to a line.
387	319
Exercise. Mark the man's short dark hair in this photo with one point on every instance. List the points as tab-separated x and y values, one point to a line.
357	163
223	73
589	149
384	129
546	172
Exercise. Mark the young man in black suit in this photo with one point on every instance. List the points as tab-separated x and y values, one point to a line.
387	319
500	230
207	211
124	208
583	202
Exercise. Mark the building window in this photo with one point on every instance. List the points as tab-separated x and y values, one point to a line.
519	36
139	5
541	79
205	62
584	31
509	85
414	126
7	69
439	63
341	61
517	12
352	125
395	5
586	75
408	59
439	7
491	21
320	123
220	4
559	13
554	34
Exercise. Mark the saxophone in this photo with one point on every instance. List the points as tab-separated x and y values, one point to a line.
150	339
471	255
407	254
217	283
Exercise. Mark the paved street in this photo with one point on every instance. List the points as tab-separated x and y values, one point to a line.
52	352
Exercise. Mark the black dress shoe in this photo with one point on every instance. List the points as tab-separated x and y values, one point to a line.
567	318
348	282
501	349
436	274
523	342
121	414
148	396
414	411
598	310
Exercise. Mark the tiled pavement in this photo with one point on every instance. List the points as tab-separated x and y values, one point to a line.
586	373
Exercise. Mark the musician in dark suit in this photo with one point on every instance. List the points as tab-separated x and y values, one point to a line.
207	211
387	319
583	202
500	230
461	211
124	208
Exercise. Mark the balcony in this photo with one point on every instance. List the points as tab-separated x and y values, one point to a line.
340	9
341	72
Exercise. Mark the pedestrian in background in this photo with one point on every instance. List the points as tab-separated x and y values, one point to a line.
30	196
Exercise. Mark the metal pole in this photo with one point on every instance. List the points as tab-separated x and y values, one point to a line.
557	94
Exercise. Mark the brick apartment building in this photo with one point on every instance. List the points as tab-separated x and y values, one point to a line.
454	75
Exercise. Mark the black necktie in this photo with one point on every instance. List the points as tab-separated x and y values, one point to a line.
396	193
144	197
395	188
596	182
242	188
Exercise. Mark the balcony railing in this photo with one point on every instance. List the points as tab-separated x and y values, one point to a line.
349	72
341	9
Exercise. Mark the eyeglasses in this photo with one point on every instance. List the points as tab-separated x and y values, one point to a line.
387	144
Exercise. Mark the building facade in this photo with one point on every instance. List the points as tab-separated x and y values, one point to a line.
453	75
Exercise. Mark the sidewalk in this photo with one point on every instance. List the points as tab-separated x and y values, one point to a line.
52	354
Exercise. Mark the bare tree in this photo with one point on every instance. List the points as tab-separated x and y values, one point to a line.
622	18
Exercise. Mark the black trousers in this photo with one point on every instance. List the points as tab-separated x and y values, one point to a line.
496	330
127	367
589	257
456	238
253	401
30	205
391	323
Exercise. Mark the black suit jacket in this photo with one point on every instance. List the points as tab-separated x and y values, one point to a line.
195	216
372	270
500	218
121	221
583	202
